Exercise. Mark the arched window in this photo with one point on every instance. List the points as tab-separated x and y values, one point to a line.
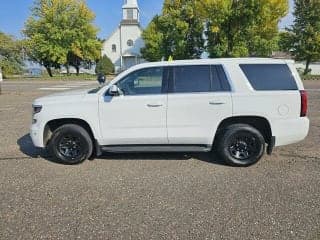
130	43
114	48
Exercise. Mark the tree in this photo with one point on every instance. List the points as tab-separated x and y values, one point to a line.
242	28
104	66
153	39
60	32
285	41
11	59
304	36
176	32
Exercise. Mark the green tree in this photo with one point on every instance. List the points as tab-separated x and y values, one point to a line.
285	41
60	32
153	39
104	66
176	32
303	37
242	28
11	60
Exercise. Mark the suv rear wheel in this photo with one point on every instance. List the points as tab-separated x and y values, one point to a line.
71	144
241	145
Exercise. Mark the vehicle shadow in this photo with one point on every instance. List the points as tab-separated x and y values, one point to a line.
26	146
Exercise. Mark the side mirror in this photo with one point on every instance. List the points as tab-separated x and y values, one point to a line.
114	90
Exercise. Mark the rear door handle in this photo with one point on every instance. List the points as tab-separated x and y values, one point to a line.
216	103
154	105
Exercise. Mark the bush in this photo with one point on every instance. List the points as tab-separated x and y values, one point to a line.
104	66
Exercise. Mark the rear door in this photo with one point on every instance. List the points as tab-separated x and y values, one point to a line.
199	99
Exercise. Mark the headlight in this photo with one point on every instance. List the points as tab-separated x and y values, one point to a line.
36	109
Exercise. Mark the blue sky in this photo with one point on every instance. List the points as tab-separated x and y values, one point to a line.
13	14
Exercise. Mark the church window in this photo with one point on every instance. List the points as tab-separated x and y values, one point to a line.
114	48
130	43
130	14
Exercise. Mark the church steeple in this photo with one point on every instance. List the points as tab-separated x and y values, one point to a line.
131	3
131	12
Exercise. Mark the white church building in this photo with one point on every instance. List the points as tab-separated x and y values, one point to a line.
124	45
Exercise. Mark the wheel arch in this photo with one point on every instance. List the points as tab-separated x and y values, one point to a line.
258	122
54	124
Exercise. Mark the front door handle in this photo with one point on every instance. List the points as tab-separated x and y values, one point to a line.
154	105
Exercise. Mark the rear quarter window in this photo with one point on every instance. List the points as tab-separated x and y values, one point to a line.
269	77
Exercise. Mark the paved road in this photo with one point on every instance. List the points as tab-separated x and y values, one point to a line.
152	196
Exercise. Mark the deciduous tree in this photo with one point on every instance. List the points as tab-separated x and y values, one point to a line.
242	28
176	32
303	39
61	32
11	60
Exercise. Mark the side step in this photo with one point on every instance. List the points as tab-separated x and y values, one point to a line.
155	148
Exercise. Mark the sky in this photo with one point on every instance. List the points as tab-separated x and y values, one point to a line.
13	14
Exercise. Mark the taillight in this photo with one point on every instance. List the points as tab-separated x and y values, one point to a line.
304	103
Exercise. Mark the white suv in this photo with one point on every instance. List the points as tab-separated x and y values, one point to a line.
234	106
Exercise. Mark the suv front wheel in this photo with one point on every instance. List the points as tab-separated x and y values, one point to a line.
71	144
241	145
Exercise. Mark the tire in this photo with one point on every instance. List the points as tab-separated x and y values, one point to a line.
71	144
241	145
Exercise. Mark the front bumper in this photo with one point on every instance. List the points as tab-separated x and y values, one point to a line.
36	134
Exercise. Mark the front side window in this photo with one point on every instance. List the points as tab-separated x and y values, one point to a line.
188	79
144	81
268	77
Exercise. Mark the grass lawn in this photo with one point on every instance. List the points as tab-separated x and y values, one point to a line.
57	77
310	77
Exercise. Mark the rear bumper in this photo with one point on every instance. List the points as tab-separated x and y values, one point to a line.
289	131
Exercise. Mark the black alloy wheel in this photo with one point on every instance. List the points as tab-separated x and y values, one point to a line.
71	144
244	145
241	145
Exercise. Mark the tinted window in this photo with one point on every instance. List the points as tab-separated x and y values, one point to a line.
219	79
269	76
199	78
145	81
192	79
225	85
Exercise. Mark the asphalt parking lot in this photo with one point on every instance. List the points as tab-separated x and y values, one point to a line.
152	196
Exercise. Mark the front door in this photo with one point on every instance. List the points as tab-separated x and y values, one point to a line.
199	99
138	115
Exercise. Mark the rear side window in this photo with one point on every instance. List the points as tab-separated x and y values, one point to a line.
199	78
192	79
220	82
269	77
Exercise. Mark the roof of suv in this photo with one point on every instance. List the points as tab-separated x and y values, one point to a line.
215	61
